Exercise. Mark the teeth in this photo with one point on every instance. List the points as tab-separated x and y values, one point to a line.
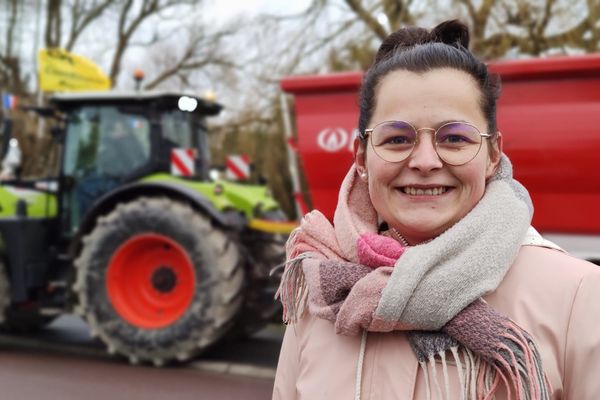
424	192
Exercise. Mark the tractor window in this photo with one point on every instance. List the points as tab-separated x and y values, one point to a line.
82	141
104	141
104	146
176	129
125	142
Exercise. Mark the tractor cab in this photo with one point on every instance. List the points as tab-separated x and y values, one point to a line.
112	138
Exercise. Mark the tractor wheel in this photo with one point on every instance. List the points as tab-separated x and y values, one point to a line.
156	281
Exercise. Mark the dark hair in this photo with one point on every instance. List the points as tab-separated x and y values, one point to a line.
419	50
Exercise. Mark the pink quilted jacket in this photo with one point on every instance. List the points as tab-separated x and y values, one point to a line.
554	296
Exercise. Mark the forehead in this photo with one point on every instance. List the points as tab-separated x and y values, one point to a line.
428	97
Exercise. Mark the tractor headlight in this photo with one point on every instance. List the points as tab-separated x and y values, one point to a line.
187	103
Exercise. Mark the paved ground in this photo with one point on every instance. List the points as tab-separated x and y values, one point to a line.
64	362
28	374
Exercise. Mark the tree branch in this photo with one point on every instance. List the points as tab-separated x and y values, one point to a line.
78	26
367	18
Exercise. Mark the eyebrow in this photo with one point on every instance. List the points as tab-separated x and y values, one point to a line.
435	126
448	121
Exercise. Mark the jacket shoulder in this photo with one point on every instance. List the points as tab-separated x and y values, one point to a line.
543	260
542	279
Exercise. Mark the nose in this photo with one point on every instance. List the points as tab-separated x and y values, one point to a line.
424	157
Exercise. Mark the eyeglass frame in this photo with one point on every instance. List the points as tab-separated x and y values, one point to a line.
368	131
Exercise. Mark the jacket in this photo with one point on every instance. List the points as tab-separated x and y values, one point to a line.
554	296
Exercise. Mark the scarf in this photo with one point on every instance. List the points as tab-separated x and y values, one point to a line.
364	281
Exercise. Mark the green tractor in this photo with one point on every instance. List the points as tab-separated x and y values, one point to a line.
132	234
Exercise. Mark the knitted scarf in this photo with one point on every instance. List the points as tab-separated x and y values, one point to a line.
361	280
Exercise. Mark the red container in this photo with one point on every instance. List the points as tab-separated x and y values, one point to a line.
549	115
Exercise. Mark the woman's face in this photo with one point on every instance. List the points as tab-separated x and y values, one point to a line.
426	100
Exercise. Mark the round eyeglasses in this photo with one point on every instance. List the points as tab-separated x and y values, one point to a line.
456	143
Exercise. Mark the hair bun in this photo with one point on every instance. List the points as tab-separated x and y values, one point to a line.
406	37
451	32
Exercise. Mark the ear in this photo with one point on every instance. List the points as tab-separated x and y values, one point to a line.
494	156
359	157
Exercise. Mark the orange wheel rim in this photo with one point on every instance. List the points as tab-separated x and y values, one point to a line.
150	281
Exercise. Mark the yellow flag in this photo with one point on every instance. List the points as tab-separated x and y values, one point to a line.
60	70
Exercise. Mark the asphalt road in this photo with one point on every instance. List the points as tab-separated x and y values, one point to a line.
64	362
29	374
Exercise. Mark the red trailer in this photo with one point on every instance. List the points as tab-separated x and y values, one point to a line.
549	115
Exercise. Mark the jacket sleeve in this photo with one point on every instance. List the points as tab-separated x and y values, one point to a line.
582	350
287	367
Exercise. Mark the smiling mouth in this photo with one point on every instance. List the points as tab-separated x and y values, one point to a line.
434	191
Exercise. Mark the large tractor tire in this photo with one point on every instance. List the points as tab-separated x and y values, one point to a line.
157	282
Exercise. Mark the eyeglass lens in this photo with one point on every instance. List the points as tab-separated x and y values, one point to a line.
456	143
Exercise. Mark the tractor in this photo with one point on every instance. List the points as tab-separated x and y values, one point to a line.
133	235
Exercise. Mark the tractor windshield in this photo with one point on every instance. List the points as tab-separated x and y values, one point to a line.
105	141
104	146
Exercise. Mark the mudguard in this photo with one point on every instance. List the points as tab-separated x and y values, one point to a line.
251	200
228	219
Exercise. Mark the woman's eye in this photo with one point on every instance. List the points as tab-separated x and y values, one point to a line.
454	139
398	140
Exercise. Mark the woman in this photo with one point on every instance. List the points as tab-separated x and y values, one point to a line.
431	284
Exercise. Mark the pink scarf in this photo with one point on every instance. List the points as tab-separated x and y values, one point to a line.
361	280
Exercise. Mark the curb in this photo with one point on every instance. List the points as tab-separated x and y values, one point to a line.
246	370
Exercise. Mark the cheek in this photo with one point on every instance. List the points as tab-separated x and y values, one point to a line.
380	172
474	179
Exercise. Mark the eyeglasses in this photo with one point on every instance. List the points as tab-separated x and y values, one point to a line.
456	143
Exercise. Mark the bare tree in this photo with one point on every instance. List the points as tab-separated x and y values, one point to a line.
201	50
498	27
131	17
535	28
10	66
82	15
53	23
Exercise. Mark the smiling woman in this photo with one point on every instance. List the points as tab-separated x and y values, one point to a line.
403	179
431	283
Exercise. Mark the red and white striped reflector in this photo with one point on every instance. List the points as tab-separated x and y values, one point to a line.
238	167
182	162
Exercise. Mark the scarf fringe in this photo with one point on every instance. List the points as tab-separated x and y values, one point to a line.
481	379
519	361
292	291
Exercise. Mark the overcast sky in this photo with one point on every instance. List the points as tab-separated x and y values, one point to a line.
229	9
